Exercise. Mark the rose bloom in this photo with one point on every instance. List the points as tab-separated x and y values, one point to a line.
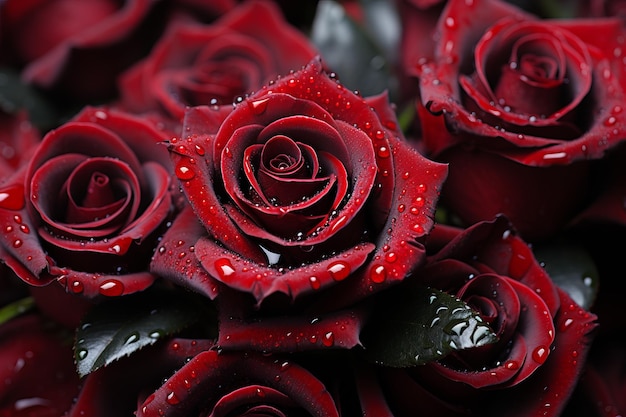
304	188
543	336
518	106
88	207
196	64
189	377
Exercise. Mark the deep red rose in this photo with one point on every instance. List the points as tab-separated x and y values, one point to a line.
36	369
186	377
238	384
197	64
540	93
87	209
301	187
543	336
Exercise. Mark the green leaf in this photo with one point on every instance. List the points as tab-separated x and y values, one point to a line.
419	325
349	51
572	268
120	327
16	308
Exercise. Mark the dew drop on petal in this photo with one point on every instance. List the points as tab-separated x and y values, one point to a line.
184	172
378	273
111	288
224	268
339	270
328	339
172	399
12	197
540	354
315	283
77	287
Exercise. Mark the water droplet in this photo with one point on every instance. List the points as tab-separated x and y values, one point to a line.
77	287
379	135
383	152
391	257
184	172
401	208
131	338
172	399
82	354
17	243
511	364
199	150
260	393
565	324
378	273
258	106
329	339
315	283
24	228
421	188
12	197
450	22
610	121
540	354
155	334
224	268
339	270
111	288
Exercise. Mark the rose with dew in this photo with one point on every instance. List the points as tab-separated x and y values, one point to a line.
518	106
87	209
304	187
543	335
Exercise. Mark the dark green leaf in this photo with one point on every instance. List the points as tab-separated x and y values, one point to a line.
419	325
348	50
119	327
571	268
16	96
15	308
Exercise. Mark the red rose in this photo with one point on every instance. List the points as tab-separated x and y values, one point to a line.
543	336
303	186
196	64
86	208
240	384
36	368
189	377
503	85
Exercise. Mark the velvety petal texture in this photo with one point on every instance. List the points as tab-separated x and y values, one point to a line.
196	64
96	186
303	186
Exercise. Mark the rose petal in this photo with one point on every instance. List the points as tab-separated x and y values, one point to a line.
293	333
177	245
261	280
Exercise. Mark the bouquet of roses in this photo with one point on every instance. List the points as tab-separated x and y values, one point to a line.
324	208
